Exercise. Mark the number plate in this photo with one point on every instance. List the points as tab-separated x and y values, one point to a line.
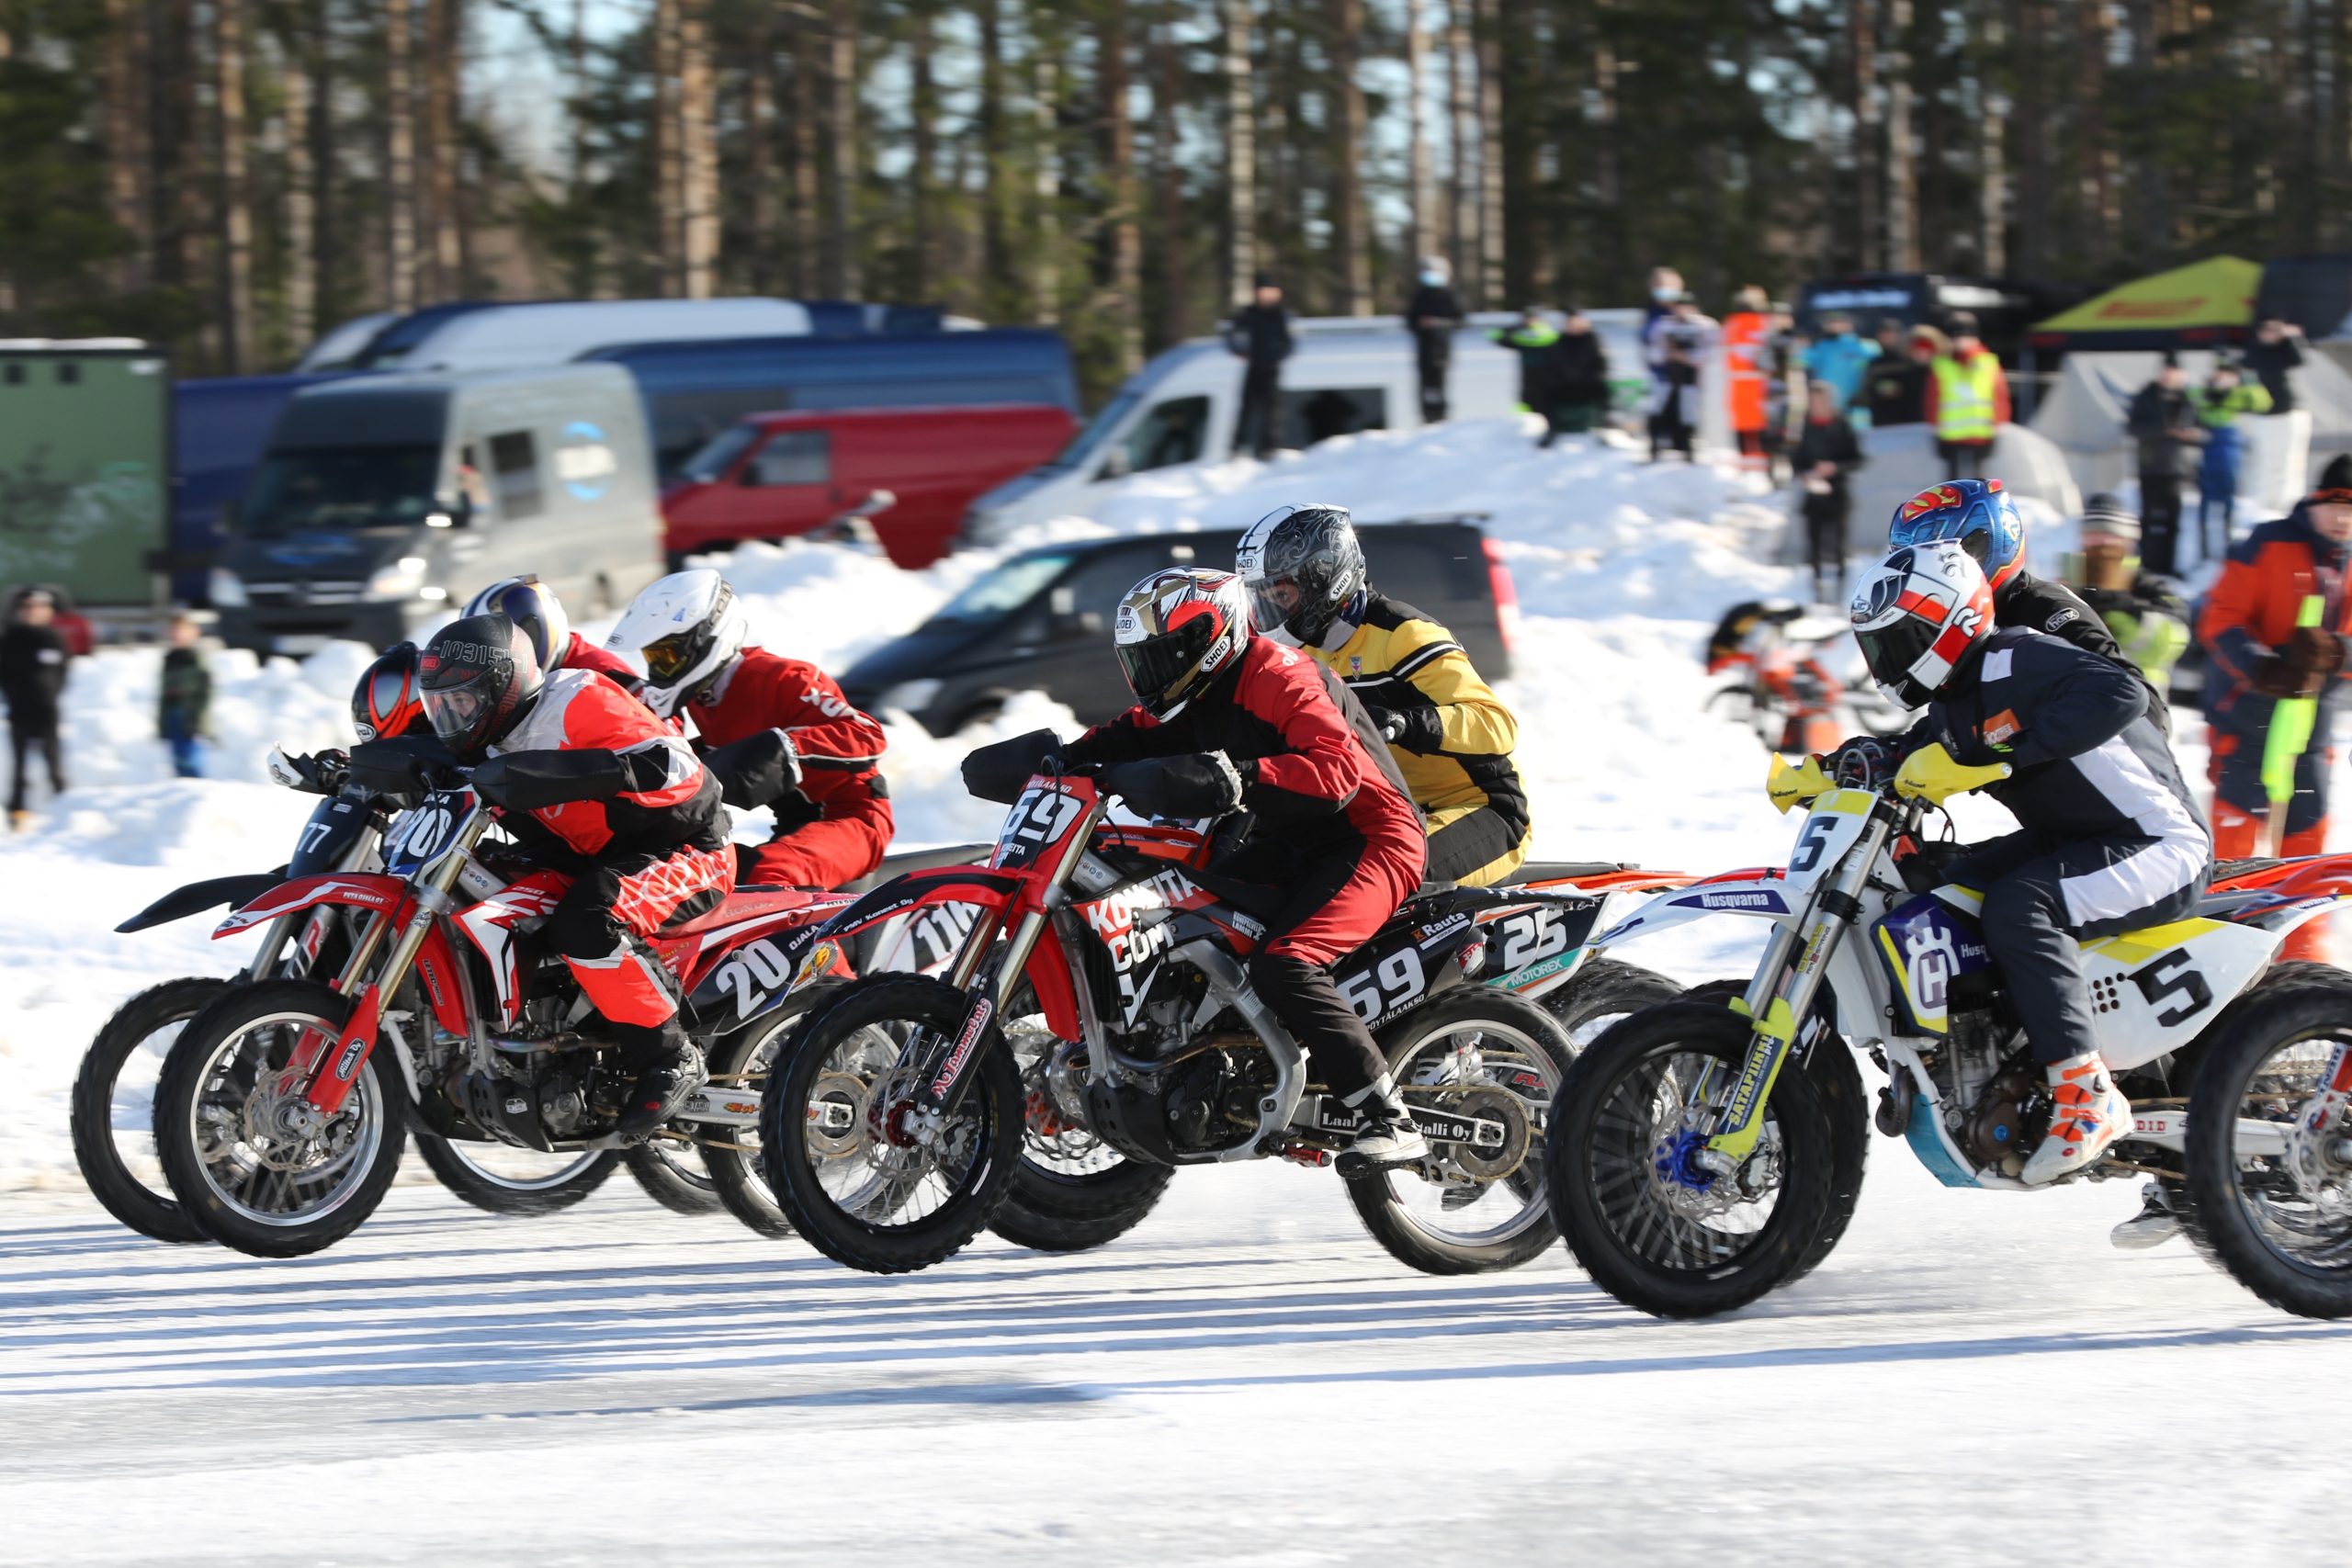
421	834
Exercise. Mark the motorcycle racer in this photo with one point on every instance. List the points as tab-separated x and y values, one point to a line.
779	728
1451	737
2109	838
619	811
1224	720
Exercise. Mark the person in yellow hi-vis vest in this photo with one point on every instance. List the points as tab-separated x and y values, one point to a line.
1451	736
1968	400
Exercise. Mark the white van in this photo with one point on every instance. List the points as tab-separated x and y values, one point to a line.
1345	373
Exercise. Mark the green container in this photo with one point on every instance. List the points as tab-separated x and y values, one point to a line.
84	467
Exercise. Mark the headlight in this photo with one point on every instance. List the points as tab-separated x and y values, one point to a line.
225	589
397	580
908	696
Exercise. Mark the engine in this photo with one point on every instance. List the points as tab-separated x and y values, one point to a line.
2000	1095
533	1104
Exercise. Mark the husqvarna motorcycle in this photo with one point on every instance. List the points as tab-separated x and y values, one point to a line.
1696	1160
113	1099
280	1108
895	1117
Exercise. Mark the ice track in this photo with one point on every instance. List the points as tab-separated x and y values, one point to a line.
1968	1375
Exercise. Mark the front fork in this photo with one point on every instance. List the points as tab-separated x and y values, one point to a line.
1798	956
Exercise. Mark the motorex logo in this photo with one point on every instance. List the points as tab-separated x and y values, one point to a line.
585	461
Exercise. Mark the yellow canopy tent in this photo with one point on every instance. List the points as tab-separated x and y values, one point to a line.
2197	306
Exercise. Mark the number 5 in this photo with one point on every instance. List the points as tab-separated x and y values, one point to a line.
1810	846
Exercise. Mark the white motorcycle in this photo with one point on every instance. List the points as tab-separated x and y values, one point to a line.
1696	1160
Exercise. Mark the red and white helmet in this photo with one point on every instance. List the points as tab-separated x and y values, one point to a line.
1916	615
1176	629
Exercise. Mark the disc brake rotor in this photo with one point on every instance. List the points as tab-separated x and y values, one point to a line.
1490	1104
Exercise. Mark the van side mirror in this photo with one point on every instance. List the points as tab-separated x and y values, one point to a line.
458	512
1068	622
1117	466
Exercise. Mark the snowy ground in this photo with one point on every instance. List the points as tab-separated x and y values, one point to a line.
1248	1378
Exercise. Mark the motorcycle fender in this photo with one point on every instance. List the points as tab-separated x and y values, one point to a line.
198	896
358	889
1762	890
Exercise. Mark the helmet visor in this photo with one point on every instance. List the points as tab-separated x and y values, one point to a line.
459	713
1273	601
1155	666
1894	652
671	657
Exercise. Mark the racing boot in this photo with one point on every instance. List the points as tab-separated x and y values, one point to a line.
668	1068
2155	1224
1387	1136
2088	1113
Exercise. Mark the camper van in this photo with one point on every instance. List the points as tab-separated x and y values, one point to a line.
472	335
1347	374
383	502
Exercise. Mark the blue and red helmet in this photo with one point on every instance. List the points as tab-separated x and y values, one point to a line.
1982	517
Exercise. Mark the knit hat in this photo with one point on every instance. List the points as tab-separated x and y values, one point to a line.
2337	476
2102	513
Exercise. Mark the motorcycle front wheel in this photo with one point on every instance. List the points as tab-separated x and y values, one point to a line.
859	1178
1652	1227
1480	1053
236	1153
1070	1192
113	1112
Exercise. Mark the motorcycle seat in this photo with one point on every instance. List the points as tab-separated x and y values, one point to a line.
1560	871
745	904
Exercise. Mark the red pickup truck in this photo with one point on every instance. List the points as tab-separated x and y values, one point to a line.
776	475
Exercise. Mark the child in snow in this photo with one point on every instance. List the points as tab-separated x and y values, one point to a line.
186	697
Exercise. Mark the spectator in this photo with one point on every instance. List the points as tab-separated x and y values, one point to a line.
1433	316
2163	420
1784	387
2277	349
1897	381
1577	376
1745	331
1678	345
2223	396
1967	400
33	657
1666	286
1826	454
1259	335
2149	618
186	699
2261	655
1532	339
1843	361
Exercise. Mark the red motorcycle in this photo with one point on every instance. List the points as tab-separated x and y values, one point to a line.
895	1118
281	1109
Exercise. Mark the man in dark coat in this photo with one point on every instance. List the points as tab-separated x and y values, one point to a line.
1576	380
2162	420
1259	335
1433	316
32	678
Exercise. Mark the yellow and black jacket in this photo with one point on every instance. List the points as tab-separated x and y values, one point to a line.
1455	752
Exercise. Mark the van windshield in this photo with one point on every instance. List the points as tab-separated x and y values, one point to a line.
342	486
1087	441
1002	592
712	462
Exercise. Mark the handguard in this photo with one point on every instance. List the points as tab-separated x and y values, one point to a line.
1930	774
1791	786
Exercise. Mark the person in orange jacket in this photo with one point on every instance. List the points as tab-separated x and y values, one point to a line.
1746	344
2260	656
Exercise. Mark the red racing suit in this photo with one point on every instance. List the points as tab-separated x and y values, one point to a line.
1336	832
786	720
648	847
582	654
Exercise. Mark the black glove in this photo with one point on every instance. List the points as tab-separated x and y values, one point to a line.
1864	762
1418	730
756	770
1200	783
321	773
526	781
400	765
1926	866
1000	771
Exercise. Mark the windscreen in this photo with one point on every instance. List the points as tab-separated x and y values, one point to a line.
1002	592
1083	445
342	486
711	463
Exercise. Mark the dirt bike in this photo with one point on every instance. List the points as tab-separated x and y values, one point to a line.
1699	1158
1782	690
112	1112
279	1112
896	1120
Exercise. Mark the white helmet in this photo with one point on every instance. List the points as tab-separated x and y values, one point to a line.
689	627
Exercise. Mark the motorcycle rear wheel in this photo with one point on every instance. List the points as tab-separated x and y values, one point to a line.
467	1167
676	1176
141	1032
854	1190
242	1183
740	1171
1459	1225
1642	1227
1071	1191
1603	991
2281	1224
